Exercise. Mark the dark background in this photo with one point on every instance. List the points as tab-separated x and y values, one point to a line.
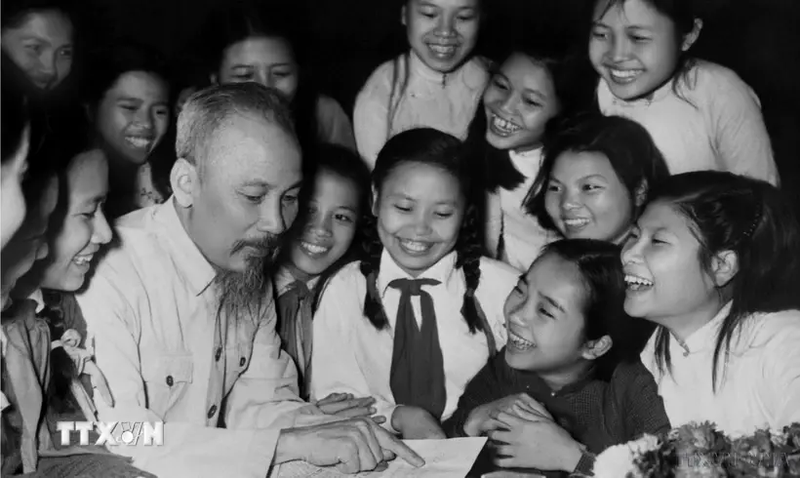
759	39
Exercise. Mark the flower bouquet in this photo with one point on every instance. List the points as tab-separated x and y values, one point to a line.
699	450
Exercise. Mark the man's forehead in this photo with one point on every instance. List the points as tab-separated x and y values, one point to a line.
255	149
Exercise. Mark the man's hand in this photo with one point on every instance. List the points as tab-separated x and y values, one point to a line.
345	406
414	423
351	446
480	419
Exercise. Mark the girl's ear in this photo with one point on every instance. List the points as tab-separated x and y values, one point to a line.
594	349
724	266
374	202
690	38
403	12
640	194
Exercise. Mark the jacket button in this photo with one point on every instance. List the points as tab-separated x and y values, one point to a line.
242	361
212	411
170	381
218	354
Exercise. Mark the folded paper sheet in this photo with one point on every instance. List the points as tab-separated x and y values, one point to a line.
451	458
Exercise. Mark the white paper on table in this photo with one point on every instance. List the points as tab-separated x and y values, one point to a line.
451	458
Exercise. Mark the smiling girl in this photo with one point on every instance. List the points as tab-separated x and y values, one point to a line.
701	115
320	244
128	104
251	42
39	38
437	84
532	87
417	317
561	390
595	178
713	262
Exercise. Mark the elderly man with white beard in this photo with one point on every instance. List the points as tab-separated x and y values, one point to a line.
182	315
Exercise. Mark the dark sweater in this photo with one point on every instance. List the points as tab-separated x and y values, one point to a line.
596	413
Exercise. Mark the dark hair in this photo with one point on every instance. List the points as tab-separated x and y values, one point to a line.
628	146
245	19
348	165
441	150
14	11
727	212
601	272
682	14
15	117
574	94
107	66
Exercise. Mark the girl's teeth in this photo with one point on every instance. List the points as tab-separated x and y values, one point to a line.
139	143
415	246
624	75
637	283
505	127
519	342
313	248
576	222
443	50
82	260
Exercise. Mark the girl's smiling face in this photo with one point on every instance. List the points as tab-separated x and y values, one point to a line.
330	223
41	45
663	272
519	101
85	229
419	211
634	47
544	317
442	33
585	198
133	115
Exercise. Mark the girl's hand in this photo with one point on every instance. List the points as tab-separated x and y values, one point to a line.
414	423
480	422
345	406
540	444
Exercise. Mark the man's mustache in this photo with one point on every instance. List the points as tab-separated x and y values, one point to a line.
264	247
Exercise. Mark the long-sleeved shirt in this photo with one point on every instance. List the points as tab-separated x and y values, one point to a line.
596	413
429	99
509	224
352	356
151	309
714	123
759	385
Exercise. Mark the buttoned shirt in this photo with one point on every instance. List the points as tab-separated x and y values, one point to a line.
352	356
151	309
713	122
423	98
758	382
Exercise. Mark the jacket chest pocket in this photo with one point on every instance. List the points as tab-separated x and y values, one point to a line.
167	377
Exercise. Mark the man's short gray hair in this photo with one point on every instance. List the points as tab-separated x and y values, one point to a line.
210	108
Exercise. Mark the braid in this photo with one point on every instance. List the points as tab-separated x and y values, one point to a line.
370	266
469	249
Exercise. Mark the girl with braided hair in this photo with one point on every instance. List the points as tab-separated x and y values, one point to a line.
421	313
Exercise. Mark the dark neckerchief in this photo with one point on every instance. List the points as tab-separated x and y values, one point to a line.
417	370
